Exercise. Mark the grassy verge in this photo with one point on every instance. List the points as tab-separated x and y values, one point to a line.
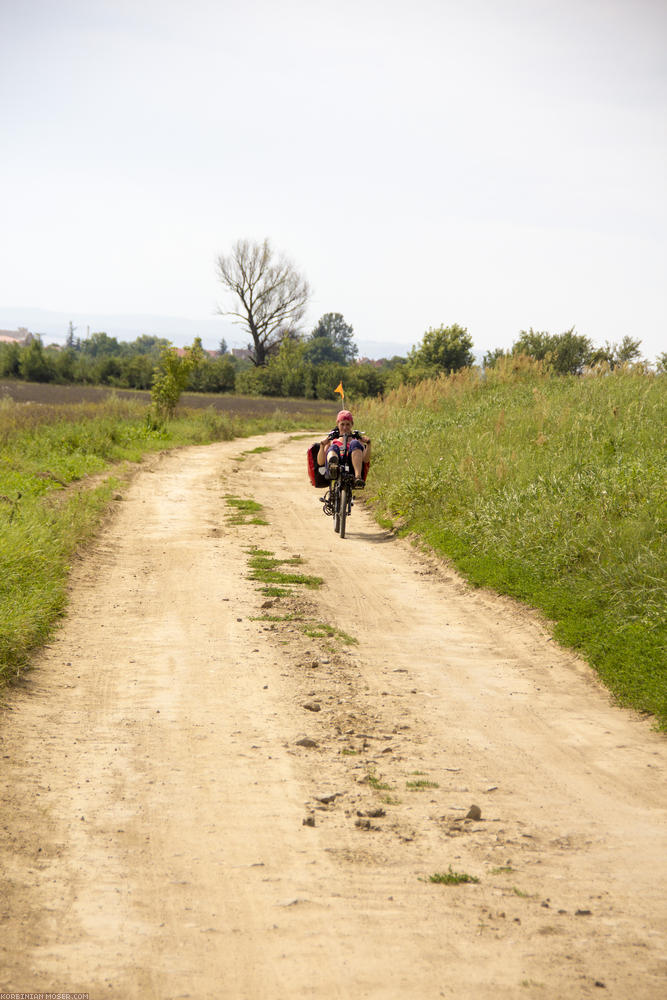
47	510
551	490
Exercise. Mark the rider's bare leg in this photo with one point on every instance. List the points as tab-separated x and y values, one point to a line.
357	462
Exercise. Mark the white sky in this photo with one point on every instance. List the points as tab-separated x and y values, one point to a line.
422	163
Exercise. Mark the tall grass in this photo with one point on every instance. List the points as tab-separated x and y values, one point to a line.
47	510
549	489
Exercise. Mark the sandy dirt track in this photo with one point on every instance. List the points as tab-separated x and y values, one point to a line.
154	793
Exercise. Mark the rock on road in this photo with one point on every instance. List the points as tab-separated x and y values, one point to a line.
208	794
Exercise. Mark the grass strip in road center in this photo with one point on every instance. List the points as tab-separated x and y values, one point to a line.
309	627
451	877
264	569
247	511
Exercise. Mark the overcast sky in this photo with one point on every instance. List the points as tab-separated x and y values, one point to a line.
500	166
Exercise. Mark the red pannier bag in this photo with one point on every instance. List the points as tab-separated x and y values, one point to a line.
314	474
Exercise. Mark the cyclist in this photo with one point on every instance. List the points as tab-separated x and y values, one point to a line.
358	446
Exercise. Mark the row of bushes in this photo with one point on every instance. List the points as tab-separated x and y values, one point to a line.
35	363
288	373
302	368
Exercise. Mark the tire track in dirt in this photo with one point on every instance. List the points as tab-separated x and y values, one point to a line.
153	837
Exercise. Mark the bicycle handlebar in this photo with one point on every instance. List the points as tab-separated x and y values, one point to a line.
355	434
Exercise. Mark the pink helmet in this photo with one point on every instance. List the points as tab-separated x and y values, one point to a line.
344	415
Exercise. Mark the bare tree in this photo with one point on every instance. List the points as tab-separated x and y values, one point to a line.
271	295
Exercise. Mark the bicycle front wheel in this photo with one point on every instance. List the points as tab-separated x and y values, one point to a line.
343	510
336	502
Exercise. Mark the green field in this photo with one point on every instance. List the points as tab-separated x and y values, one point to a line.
549	489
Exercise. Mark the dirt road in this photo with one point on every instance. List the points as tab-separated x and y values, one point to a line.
165	832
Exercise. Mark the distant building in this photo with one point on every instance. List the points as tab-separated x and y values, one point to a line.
22	337
375	362
183	352
241	353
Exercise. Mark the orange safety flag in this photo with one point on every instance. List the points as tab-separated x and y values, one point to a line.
339	388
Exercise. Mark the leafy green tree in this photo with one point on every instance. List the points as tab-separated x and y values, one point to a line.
109	370
291	366
365	380
617	354
285	374
396	372
210	374
99	344
321	349
536	344
146	344
661	363
34	366
220	375
64	363
169	380
491	358
442	349
565	353
259	380
628	350
198	364
10	360
138	371
571	353
84	369
327	377
332	327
